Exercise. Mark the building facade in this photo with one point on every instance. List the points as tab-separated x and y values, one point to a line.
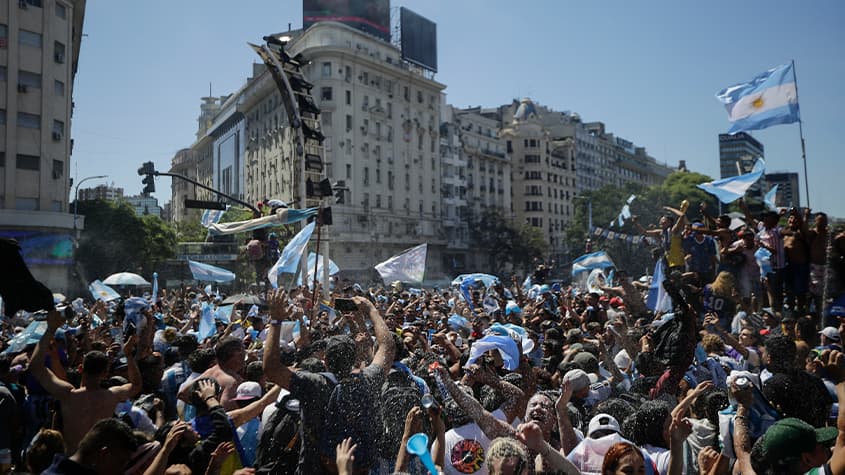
381	120
144	205
39	51
789	192
101	192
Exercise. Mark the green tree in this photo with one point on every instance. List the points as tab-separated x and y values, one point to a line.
508	248
115	240
648	206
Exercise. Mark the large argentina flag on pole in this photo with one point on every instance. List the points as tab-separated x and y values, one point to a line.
770	98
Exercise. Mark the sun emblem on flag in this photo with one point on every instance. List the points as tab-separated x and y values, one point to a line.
757	103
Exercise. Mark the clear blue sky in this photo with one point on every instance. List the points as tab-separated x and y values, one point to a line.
648	70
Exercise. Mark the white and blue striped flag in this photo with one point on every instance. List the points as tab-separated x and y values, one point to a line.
769	199
588	262
291	255
730	189
208	272
770	98
101	291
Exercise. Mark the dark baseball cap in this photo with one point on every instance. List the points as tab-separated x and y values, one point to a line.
791	437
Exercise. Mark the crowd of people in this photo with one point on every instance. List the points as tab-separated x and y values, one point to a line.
743	373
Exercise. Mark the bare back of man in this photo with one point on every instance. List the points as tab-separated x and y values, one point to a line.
81	409
229	384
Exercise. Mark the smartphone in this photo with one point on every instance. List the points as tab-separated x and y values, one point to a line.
345	305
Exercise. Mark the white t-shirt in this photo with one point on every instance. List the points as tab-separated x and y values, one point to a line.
466	447
660	456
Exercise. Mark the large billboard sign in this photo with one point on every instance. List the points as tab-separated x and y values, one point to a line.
419	39
369	16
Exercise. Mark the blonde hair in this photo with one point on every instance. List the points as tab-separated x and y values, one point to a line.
724	284
712	343
505	448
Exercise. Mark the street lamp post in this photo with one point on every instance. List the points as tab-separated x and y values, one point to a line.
76	197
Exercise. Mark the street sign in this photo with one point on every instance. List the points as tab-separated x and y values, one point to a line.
204	204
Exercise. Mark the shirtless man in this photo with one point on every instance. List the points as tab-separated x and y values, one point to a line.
796	246
82	407
723	234
817	237
227	372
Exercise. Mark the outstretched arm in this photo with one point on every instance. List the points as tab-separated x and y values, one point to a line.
37	366
491	426
385	352
280	311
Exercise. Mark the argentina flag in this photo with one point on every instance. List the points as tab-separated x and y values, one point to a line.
730	189
291	255
588	262
770	98
207	272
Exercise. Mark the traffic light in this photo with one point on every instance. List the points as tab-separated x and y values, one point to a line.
149	184
148	169
340	190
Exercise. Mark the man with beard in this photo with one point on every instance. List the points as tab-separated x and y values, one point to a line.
535	433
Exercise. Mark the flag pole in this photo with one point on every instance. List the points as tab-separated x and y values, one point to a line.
801	132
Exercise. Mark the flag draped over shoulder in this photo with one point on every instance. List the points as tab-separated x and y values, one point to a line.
291	255
409	266
588	262
768	99
208	272
728	190
101	291
282	216
658	300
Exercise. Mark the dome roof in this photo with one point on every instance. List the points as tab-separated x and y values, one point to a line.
525	110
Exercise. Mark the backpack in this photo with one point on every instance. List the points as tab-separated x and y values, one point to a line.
399	394
353	410
280	441
254	250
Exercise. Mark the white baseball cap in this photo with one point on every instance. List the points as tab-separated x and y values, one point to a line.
602	422
248	390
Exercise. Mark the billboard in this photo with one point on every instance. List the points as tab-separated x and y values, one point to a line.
39	247
419	39
369	16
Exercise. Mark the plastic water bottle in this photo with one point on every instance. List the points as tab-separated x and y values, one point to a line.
441	386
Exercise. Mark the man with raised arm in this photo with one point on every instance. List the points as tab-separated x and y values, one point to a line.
82	407
313	390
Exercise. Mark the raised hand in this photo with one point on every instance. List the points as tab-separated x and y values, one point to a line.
345	457
531	435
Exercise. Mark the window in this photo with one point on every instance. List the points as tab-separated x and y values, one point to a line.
61	10
58	127
378	175
347	73
366	104
390	201
407	93
2	116
348	122
326	119
58	52
389	110
390	181
378	201
58	169
29	121
348	171
34	3
26	204
420	97
365	77
366	176
3	73
326	70
348	97
325	94
59	88
29	38
4	31
28	79
389	133
28	162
